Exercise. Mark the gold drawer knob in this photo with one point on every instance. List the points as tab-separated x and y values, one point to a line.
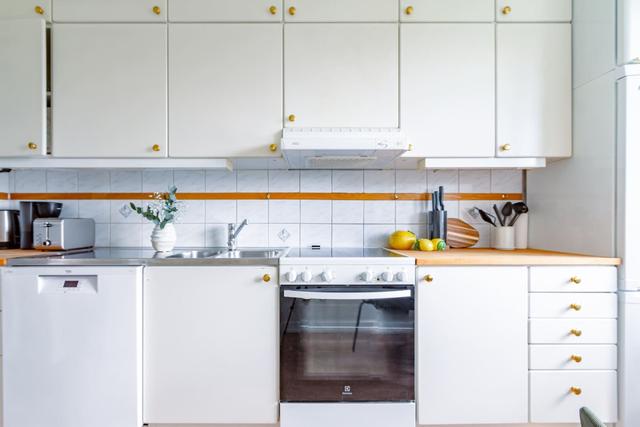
409	10
575	280
39	10
428	278
576	307
575	390
156	10
292	118
506	10
266	278
273	147
292	11
506	147
273	10
32	146
575	332
156	148
576	358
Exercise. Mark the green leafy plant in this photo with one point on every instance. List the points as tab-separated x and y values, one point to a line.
164	209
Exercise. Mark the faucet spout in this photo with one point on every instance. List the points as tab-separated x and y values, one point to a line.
234	231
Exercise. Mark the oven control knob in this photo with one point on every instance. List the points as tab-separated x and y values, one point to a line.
291	276
327	275
387	276
402	276
367	276
306	276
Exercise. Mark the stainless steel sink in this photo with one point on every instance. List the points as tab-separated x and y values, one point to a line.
252	253
197	254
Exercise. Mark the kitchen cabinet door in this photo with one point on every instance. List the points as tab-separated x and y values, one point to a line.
534	90
109	90
110	11
472	345
628	32
210	345
533	10
225	10
341	75
447	10
447	108
341	10
225	89
23	92
25	9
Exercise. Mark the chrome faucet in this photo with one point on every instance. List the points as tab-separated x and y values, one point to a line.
232	240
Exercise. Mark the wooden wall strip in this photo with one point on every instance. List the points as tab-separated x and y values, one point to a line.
4	196
265	196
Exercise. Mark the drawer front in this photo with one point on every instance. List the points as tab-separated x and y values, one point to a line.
552	400
447	10
573	357
578	331
573	279
533	10
110	11
573	305
225	11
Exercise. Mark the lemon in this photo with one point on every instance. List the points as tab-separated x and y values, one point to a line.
404	240
439	244
426	245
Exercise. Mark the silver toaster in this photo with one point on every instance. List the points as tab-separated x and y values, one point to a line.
56	234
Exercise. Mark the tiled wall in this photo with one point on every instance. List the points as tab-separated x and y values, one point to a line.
272	222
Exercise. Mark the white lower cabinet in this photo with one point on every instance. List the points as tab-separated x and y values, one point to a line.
472	345
211	345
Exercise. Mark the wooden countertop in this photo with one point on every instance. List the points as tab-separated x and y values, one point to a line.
7	254
496	257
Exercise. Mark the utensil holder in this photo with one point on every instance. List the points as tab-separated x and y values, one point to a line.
437	225
503	238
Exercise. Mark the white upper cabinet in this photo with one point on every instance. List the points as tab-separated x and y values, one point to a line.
472	345
534	90
341	10
447	10
447	104
225	10
110	11
23	96
25	9
109	90
628	31
341	75
225	89
533	10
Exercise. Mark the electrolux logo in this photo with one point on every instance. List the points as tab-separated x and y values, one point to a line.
346	391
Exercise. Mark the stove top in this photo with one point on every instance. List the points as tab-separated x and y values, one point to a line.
341	253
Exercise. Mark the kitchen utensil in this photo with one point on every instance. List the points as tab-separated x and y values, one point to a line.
495	209
504	238
486	217
441	197
507	210
460	234
519	208
9	229
435	203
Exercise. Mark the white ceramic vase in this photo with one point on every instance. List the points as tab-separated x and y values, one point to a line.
163	240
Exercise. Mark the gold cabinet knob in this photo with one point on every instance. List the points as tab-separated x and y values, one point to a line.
575	332
409	10
156	148
32	146
576	307
575	390
266	278
39	10
273	10
575	280
506	147
273	147
156	10
292	118
428	278
506	10
292	11
575	358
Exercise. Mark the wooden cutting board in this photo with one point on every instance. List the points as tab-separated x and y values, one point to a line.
460	234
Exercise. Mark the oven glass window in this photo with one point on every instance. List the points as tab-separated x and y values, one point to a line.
347	344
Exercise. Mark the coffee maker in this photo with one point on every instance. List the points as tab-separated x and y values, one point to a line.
29	212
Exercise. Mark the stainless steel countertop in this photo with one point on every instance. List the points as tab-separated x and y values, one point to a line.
134	257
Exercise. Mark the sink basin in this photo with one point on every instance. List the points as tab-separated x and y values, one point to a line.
252	253
197	254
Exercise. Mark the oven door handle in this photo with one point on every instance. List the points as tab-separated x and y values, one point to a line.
348	296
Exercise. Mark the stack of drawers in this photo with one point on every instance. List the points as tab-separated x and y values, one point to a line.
572	343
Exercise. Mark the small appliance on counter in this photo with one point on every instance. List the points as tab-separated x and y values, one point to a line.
9	229
31	211
63	234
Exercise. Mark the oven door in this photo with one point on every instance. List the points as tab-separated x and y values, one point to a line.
346	343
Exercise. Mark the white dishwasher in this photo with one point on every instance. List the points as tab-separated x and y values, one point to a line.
72	346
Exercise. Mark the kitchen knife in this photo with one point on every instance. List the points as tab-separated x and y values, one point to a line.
495	209
441	196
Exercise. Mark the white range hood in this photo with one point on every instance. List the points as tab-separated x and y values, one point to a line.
342	148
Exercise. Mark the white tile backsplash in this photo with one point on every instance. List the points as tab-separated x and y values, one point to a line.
4	182
274	222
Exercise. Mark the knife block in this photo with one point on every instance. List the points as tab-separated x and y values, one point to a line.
437	225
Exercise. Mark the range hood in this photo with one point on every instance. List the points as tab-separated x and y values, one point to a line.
342	148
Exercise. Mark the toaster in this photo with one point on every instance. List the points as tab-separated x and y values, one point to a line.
63	234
